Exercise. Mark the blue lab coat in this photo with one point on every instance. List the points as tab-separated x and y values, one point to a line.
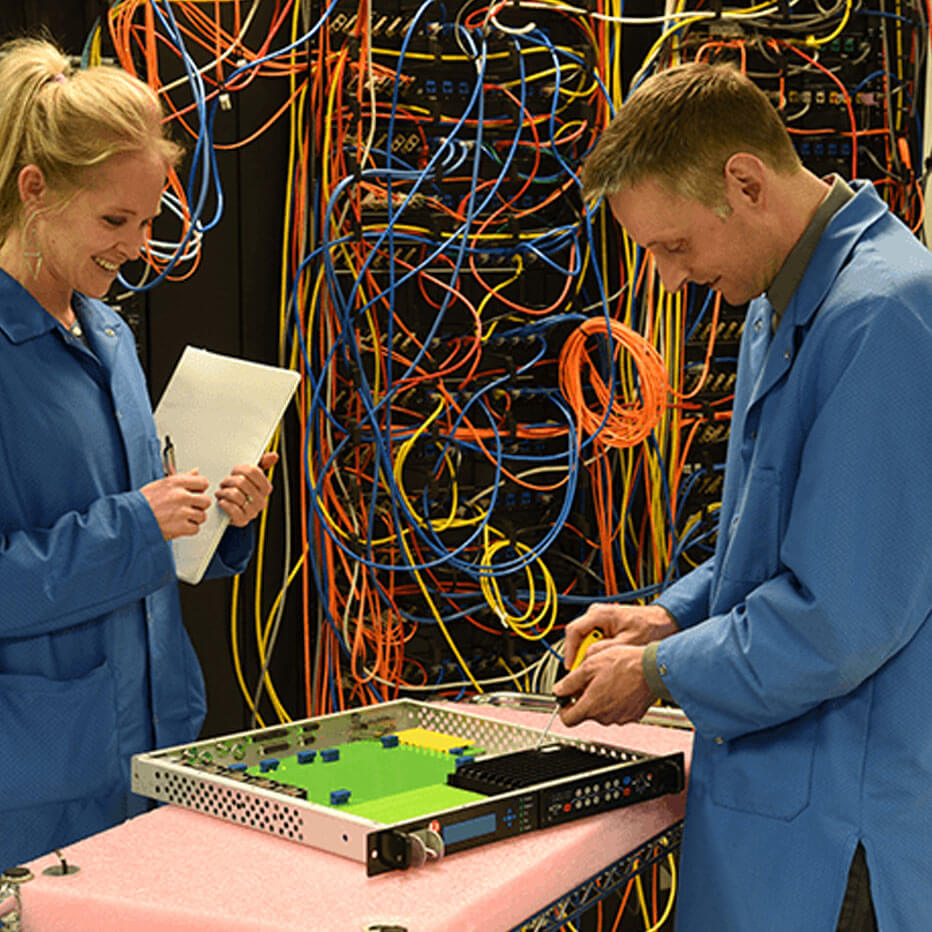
805	660
95	664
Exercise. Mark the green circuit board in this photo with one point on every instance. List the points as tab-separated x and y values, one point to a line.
377	778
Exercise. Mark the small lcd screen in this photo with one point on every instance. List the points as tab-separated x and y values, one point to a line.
470	828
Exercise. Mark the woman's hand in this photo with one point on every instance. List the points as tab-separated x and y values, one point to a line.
179	503
245	492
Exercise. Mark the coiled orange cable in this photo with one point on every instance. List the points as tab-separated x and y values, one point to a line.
628	421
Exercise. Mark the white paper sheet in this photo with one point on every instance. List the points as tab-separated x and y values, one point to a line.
219	411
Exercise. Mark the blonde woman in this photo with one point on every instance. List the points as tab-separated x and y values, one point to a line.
95	664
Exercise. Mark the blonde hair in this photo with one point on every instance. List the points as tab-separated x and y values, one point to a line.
67	122
680	127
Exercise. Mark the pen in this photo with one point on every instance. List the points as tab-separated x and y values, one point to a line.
168	456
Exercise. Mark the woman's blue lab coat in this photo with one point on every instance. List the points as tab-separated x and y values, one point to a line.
806	656
95	664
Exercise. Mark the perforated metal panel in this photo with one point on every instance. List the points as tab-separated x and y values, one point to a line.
225	802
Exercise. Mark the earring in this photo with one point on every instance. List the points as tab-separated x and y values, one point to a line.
36	252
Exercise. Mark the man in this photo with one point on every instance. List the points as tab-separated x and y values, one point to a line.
801	651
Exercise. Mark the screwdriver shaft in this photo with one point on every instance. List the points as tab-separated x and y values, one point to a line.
546	731
588	640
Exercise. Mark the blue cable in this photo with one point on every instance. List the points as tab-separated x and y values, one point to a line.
204	158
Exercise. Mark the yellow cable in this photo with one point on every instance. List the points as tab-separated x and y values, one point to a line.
492	592
397	466
261	639
436	614
283	715
677	27
671	864
237	664
813	42
512	674
294	137
94	56
519	268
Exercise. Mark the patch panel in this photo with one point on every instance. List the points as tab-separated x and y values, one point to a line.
451	319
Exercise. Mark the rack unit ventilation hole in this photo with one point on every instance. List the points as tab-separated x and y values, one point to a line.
233	805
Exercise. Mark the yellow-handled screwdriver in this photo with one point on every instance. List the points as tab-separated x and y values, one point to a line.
594	635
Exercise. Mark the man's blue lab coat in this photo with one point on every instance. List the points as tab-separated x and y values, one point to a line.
95	664
806	656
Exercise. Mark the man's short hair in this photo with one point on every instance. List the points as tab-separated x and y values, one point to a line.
680	127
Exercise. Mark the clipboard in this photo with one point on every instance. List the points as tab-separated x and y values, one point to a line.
219	411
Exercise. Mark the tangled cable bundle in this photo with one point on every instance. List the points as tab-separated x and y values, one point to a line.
433	254
617	423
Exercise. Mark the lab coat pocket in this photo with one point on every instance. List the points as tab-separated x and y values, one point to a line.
768	772
752	553
57	738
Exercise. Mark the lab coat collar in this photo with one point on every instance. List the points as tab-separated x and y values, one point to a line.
841	235
845	228
22	318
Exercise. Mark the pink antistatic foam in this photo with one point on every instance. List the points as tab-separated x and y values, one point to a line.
177	870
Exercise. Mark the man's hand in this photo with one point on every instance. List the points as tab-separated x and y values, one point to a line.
609	685
621	624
